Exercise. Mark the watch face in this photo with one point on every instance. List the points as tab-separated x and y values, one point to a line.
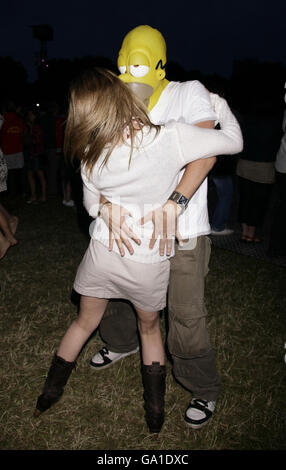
183	200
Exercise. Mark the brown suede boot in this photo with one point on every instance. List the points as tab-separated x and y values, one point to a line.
154	383
57	378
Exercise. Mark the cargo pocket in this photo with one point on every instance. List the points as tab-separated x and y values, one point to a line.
188	336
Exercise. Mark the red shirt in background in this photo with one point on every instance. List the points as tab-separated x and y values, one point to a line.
11	134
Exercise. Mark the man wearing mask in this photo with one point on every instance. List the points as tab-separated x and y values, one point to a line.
141	62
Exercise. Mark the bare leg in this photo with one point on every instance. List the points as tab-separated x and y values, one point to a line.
152	344
67	191
4	245
252	234
32	185
42	179
248	233
12	219
4	212
13	223
91	312
251	231
244	231
4	226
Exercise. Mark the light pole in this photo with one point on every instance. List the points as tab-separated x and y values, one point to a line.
44	33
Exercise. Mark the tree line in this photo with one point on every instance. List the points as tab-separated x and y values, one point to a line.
252	84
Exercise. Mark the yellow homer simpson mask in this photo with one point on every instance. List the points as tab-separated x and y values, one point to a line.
141	62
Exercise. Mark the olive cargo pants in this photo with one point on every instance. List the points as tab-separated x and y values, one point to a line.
188	340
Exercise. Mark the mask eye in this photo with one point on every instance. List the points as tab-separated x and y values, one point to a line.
122	69
139	70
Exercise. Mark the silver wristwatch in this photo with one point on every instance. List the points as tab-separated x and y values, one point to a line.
179	199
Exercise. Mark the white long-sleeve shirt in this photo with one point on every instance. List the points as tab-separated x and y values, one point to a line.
188	102
153	173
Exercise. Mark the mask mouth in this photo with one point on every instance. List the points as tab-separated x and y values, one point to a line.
142	91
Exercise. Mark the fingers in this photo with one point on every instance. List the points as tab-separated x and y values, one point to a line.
123	241
124	237
163	231
130	233
157	218
119	231
146	218
179	238
165	227
167	237
111	241
169	246
120	246
152	241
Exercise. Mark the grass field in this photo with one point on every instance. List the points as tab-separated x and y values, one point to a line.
246	299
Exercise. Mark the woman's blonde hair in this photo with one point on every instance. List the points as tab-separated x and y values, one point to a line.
101	108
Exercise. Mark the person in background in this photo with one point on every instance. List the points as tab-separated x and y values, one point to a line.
11	141
65	166
255	168
48	124
34	156
222	178
277	243
8	223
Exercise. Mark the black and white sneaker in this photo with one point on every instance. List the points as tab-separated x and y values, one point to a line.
199	412
105	358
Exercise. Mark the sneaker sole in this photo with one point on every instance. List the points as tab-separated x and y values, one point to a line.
197	426
105	366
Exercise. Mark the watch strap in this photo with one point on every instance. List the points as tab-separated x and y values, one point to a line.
179	199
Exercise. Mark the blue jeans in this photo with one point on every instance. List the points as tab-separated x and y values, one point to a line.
224	189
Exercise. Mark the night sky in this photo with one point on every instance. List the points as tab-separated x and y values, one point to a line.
206	36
